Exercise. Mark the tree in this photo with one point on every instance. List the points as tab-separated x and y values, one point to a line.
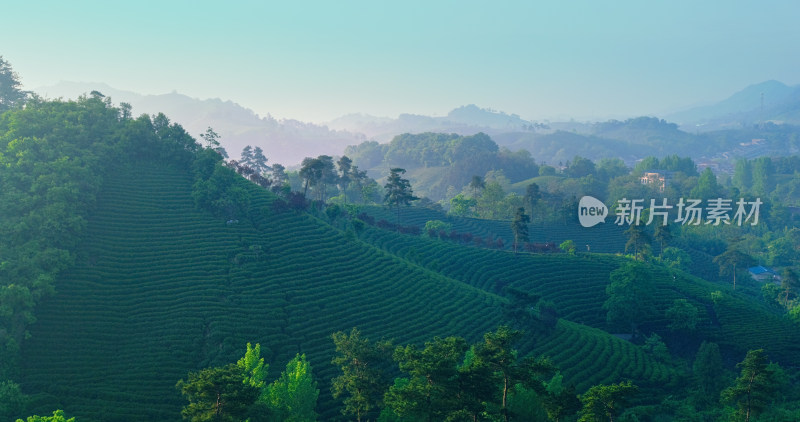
763	176
398	190
293	396
361	180
327	177
663	234
212	142
676	258
707	186
609	168
568	246
279	177
462	206
743	175
496	351
253	367
708	370
58	416
311	172
430	392
259	161
477	184
433	227
345	165
247	156
221	194
605	402
560	401
10	93
532	197
363	380
752	389
654	345
491	201
11	400
629	295
732	258
217	394
580	167
789	283
520	308
683	316
520	227
638	240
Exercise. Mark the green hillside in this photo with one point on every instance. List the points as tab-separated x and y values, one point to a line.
577	287
604	238
161	289
144	257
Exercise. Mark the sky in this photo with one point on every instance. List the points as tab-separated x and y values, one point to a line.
318	60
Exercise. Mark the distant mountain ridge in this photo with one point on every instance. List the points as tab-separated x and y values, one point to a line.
781	104
284	141
288	141
465	120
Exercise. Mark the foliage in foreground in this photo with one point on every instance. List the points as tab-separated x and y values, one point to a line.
239	391
58	416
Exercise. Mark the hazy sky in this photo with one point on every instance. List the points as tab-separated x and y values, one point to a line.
319	60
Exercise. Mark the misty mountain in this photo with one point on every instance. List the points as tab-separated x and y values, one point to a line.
781	104
466	120
288	141
284	141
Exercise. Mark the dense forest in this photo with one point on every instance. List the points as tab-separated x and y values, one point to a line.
147	276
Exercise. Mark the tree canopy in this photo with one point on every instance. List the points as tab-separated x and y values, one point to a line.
398	190
11	93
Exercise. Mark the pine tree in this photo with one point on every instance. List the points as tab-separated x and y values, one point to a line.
259	163
520	227
605	402
398	190
10	93
345	165
247	156
217	394
751	392
363	380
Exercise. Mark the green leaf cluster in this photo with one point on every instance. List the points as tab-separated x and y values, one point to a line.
239	391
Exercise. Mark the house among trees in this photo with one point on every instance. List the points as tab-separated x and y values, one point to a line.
762	273
655	179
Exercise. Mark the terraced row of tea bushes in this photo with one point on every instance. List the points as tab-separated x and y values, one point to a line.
578	291
613	359
747	326
576	285
604	238
162	288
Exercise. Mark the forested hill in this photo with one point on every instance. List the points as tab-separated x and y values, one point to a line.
166	261
175	263
132	256
437	161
